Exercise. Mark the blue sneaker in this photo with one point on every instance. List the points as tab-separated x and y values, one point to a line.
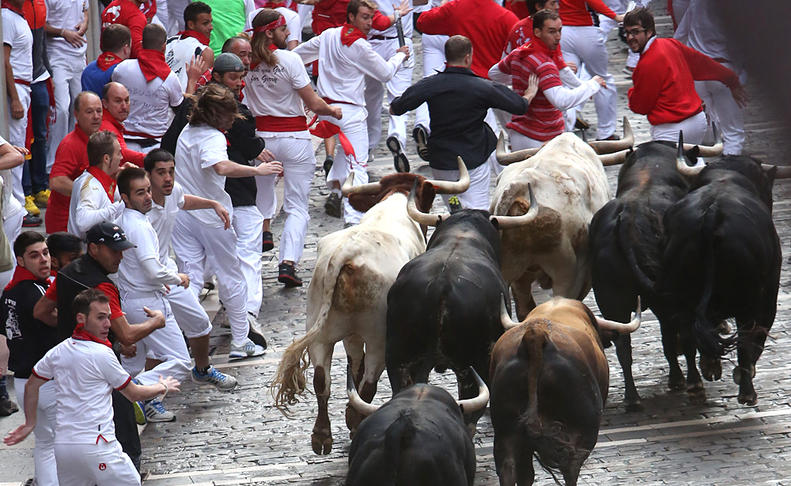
215	377
156	412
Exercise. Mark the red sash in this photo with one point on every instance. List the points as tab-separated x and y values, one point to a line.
280	123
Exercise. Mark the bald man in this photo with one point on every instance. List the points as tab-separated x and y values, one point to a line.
115	104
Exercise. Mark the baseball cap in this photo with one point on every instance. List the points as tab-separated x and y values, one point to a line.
228	62
109	234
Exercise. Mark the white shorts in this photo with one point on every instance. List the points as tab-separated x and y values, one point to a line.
101	464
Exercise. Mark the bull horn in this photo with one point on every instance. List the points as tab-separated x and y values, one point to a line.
357	403
681	160
609	146
507	222
472	405
620	327
448	187
505	319
504	157
615	158
348	188
783	172
420	217
705	150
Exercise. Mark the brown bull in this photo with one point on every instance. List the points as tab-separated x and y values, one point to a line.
549	380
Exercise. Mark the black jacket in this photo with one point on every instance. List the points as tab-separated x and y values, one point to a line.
82	273
28	338
457	102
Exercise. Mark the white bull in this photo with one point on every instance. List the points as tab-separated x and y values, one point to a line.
347	295
568	179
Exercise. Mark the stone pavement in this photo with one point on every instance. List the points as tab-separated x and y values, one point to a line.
240	438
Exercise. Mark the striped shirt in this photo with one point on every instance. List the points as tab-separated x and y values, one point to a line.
542	121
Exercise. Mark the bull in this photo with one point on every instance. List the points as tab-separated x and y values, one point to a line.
347	295
722	259
442	310
569	180
417	438
549	380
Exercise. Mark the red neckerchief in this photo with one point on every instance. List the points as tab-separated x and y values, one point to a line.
82	335
22	274
104	179
152	63
537	46
9	6
274	5
195	34
349	34
106	60
271	47
111	119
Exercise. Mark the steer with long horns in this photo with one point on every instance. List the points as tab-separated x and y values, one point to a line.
442	310
549	380
417	438
347	295
569	181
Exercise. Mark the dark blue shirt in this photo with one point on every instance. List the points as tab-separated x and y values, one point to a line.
94	79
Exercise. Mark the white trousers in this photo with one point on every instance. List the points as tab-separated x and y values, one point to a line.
586	45
249	226
353	124
165	344
135	145
46	416
66	84
197	245
433	61
374	93
17	135
491	120
189	313
519	141
299	163
100	464
477	195
175	15
694	129
606	24
723	111
12	226
265	196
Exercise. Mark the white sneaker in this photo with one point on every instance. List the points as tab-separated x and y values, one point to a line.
156	412
246	350
215	377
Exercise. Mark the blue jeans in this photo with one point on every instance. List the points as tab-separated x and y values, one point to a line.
3	390
34	174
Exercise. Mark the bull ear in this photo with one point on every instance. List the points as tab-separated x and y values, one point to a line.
771	174
693	153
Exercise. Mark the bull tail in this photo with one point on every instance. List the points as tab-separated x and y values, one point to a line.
290	379
623	236
534	340
708	340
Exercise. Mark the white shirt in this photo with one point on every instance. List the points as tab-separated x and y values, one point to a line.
341	67
11	206
141	269
85	374
272	90
179	51
292	22
65	14
700	30
162	219
199	148
150	102
17	34
386	8
89	205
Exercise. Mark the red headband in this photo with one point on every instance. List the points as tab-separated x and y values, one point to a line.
281	21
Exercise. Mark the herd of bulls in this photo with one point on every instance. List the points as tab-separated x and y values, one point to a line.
694	243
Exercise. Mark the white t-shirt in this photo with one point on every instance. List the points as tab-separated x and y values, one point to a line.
162	219
89	205
64	14
17	34
292	22
198	149
272	90
85	374
150	102
141	269
179	51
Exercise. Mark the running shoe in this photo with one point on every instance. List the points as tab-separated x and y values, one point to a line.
140	414
286	275
30	206
156	412
400	162
246	350
215	377
42	198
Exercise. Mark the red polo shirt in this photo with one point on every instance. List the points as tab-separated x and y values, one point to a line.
485	23
126	12
71	160
575	13
127	155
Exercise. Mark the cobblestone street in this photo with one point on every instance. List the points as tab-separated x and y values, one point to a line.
240	438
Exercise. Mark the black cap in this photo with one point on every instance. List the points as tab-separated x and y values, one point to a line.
110	234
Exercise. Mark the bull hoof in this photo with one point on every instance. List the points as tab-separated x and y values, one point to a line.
711	368
697	396
634	405
749	399
739	372
322	445
693	388
676	382
353	419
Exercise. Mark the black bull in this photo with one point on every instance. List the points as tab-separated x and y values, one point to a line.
443	309
722	259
